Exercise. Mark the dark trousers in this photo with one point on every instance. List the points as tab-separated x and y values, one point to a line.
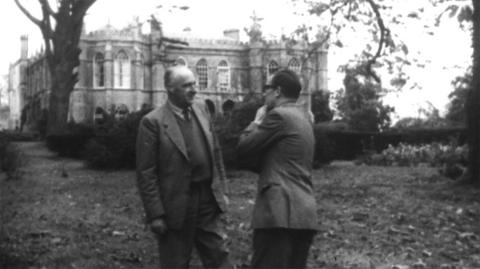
200	231
281	248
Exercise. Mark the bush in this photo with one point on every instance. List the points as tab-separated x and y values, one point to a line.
113	146
434	154
230	126
360	104
348	145
321	106
456	108
323	146
16	136
72	142
99	156
11	158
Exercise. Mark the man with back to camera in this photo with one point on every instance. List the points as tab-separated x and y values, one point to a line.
181	176
281	141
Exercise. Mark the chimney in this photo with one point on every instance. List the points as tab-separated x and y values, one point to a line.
232	34
24	47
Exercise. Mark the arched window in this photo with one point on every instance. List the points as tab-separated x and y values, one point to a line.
122	70
141	72
228	106
98	70
180	61
272	67
294	65
223	72
202	74
210	106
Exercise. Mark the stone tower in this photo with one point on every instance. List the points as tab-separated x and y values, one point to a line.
23	47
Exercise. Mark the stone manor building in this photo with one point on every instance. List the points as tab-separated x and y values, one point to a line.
122	70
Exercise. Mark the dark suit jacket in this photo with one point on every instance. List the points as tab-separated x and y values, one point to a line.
285	144
164	168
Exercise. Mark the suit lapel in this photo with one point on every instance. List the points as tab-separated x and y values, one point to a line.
173	131
205	125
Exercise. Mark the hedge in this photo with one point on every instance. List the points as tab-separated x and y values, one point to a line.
348	145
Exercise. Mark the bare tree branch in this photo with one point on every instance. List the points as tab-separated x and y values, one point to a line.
48	8
46	23
79	8
319	43
29	16
383	32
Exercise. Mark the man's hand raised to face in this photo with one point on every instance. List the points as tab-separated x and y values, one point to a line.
158	226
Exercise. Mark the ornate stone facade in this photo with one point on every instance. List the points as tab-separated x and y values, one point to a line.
17	85
123	70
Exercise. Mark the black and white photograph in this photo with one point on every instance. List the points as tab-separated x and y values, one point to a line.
262	134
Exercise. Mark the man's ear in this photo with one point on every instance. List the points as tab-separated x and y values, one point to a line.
278	91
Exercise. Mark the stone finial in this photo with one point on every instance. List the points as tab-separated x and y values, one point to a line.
255	31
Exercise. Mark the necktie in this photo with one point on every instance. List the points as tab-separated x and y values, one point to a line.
186	114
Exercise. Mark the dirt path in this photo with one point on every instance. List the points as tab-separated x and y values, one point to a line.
371	217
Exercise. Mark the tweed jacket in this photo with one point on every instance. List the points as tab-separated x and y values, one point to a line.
164	168
282	147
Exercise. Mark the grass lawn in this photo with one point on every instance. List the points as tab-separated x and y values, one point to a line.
371	217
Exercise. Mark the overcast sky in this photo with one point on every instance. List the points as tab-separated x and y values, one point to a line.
208	18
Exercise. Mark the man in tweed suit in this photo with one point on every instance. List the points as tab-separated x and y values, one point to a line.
279	144
181	177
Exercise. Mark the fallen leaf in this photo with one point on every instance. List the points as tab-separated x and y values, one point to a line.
118	233
426	253
471	236
419	265
56	240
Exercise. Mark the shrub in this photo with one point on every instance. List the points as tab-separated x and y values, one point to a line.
411	123
11	158
321	106
229	127
348	145
360	104
72	142
434	154
456	107
113	146
324	146
15	136
97	155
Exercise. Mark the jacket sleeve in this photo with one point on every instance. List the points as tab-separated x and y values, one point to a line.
256	138
217	150
147	173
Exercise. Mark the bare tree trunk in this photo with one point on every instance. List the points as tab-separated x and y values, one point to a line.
473	104
62	51
64	76
58	107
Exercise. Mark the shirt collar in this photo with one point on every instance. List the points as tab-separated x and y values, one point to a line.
176	110
287	102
